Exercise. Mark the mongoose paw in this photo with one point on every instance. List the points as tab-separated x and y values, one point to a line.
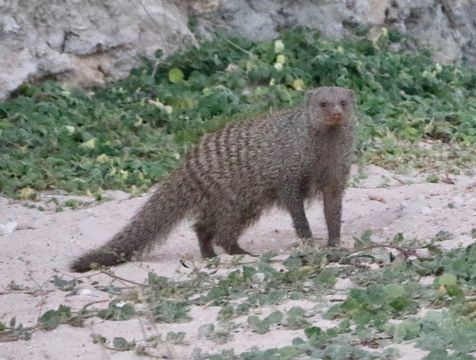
304	233
208	254
235	249
309	241
333	242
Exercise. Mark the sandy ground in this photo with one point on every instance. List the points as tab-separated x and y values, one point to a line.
45	242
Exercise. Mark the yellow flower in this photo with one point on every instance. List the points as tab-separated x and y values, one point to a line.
278	46
103	158
90	144
298	84
70	129
281	59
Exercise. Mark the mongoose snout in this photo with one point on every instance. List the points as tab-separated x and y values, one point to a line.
334	112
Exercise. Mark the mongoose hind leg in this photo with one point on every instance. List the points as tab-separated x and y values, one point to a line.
227	237
231	226
235	249
205	230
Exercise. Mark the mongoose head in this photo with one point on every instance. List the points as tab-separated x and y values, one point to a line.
330	106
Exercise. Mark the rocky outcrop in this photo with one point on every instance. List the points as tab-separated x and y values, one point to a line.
84	42
447	27
89	42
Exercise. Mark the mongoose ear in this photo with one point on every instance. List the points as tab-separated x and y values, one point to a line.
309	95
310	102
352	99
352	96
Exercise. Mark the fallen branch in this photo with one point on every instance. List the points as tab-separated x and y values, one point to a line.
123	279
405	252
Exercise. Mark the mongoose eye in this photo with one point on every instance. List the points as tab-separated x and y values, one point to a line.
323	104
343	103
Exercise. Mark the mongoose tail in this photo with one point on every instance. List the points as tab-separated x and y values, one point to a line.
153	222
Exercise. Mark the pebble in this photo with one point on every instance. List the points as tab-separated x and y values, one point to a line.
257	278
87	292
425	210
117	195
8	228
343	284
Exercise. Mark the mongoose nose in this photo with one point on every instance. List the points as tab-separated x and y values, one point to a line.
337	111
335	118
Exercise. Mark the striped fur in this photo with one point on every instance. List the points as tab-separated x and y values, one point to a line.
232	175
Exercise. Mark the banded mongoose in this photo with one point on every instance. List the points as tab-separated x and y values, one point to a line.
232	175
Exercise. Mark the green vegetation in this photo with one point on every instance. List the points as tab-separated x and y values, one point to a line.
425	301
128	134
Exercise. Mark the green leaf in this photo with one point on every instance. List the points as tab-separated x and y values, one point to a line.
121	344
52	318
295	318
293	262
269	255
443	235
450	283
398	239
406	330
171	311
263	326
447	280
257	325
175	337
156	281
274	317
98	339
64	285
327	277
364	240
175	75
399	303
226	312
117	311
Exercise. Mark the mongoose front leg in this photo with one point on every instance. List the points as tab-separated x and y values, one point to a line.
295	205
333	213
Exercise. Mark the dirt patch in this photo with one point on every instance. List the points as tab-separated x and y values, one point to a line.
45	242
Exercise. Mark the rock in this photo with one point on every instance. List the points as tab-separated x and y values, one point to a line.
445	26
343	284
425	210
403	204
83	44
87	293
258	278
8	228
423	252
460	241
117	195
427	280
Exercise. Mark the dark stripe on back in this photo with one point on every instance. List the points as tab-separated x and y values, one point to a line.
193	173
